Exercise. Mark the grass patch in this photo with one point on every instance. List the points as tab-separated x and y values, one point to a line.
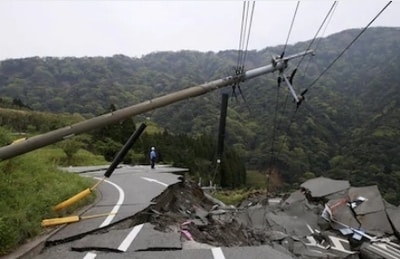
255	183
56	156
235	197
255	179
30	186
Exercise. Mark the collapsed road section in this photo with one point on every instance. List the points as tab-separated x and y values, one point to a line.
325	218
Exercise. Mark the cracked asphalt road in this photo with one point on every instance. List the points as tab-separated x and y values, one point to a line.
140	229
128	191
160	215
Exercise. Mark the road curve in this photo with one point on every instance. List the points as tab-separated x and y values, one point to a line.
128	191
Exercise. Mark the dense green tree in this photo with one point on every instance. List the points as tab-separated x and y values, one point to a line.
70	148
348	127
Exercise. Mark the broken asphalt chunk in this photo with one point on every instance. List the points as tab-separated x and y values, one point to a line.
373	202
394	217
321	186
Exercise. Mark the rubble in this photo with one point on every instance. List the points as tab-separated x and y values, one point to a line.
296	226
324	187
324	219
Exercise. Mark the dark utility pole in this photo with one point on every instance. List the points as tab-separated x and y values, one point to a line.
221	137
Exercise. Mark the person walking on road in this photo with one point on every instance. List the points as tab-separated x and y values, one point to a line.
153	157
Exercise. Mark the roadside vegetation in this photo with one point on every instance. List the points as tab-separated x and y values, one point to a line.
58	157
30	186
33	183
348	129
255	183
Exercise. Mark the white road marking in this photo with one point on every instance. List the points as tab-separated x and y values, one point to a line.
310	228
337	244
110	217
129	238
116	207
154	180
90	255
217	253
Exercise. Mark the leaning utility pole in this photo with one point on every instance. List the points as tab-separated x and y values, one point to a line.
221	138
29	144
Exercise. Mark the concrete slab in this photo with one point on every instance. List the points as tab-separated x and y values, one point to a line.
253	217
321	186
294	197
374	200
337	195
291	225
376	223
394	217
342	213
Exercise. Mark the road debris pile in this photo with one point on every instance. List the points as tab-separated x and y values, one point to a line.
330	219
184	208
324	219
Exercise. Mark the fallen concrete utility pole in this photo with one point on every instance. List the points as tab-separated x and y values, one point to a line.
32	143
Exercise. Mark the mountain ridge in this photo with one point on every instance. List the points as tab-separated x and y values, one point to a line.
346	120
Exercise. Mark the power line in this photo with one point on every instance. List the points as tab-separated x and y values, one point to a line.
319	41
243	42
241	35
348	46
279	80
295	112
319	29
245	29
275	123
248	34
290	29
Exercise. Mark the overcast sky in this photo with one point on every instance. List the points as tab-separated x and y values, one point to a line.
135	28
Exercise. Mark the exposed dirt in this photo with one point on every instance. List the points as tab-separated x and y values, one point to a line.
293	227
184	206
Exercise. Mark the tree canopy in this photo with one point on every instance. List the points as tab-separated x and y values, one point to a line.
348	127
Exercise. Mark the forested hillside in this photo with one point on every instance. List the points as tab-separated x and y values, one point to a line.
348	126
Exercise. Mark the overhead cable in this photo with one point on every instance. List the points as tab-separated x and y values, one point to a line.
351	43
248	32
290	29
243	44
323	33
274	126
241	35
276	122
319	29
245	30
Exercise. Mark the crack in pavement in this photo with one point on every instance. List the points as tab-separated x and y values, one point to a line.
95	248
293	227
